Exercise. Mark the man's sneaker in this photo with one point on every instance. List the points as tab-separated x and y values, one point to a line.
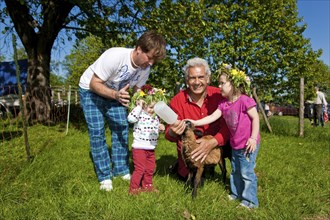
244	206
231	198
249	207
106	185
126	177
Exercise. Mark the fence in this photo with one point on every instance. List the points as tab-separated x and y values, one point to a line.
65	108
61	98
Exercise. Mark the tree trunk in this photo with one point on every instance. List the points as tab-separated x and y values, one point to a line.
261	109
301	108
38	95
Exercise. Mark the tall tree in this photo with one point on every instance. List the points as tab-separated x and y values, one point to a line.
319	74
38	23
263	38
38	35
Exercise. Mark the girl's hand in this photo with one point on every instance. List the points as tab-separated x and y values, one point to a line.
251	145
140	102
161	127
192	121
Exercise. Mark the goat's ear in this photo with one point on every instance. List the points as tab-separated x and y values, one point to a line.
198	133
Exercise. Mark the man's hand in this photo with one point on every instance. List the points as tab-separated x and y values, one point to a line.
177	128
98	86
123	96
204	148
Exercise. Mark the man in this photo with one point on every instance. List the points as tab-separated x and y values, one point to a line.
196	102
103	90
320	102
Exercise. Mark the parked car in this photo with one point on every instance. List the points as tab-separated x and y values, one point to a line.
9	104
3	110
285	110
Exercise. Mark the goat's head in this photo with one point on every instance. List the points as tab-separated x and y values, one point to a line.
189	129
189	125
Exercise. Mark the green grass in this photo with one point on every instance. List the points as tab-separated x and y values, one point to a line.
60	183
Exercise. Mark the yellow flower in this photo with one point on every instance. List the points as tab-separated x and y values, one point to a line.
225	65
149	95
236	76
234	72
162	91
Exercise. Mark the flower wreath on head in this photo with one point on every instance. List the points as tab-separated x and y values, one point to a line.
237	77
149	95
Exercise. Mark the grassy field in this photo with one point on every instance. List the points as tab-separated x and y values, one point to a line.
60	183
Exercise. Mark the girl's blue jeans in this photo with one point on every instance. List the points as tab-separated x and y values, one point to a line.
97	111
243	180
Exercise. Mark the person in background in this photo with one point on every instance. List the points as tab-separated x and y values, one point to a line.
104	97
310	111
145	133
320	105
195	102
241	116
267	110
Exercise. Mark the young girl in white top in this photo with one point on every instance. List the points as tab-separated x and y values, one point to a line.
241	116
145	133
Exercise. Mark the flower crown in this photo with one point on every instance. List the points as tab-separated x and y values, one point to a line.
237	77
149	95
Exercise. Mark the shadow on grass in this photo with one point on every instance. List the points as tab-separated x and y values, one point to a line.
211	172
163	164
9	135
165	161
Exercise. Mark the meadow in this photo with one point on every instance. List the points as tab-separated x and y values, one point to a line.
59	182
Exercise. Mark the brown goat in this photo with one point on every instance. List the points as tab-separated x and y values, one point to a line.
196	168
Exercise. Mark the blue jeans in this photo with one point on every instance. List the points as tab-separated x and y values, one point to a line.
96	110
243	180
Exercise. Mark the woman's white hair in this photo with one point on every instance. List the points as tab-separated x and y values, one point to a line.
196	62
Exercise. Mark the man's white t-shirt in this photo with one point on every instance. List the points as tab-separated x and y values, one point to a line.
320	98
115	68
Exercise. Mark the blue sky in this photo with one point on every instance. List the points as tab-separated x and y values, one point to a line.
316	15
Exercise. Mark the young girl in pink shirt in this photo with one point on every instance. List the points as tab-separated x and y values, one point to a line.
241	116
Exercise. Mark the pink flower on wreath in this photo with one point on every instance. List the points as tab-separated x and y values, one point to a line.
147	89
